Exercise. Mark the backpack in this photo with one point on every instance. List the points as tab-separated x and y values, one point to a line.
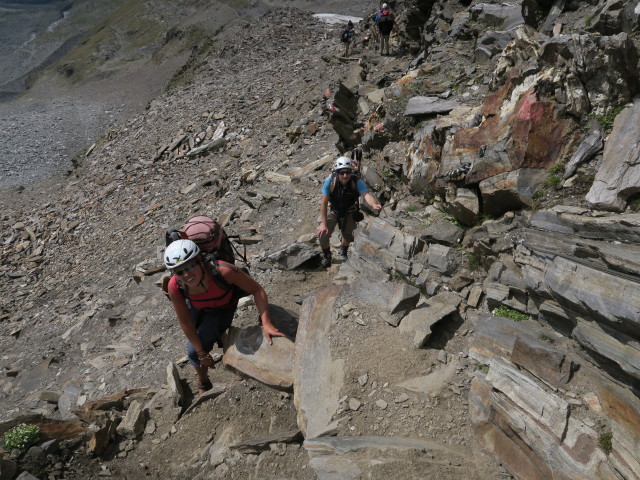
385	16
215	245
209	235
346	35
356	161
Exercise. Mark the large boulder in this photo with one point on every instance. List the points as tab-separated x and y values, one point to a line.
619	176
511	190
318	377
248	352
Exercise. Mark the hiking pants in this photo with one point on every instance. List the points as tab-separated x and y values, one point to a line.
384	44
209	326
347	223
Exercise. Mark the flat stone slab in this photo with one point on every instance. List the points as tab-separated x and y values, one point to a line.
248	352
217	390
261	444
420	321
429	106
351	458
432	383
318	377
542	360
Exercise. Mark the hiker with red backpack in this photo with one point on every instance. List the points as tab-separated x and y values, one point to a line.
385	20
340	206
204	292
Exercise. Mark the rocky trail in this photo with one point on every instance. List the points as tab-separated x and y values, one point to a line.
484	326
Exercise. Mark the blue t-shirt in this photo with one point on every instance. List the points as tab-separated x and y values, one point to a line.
326	188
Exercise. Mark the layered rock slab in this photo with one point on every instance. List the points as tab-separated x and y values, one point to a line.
249	353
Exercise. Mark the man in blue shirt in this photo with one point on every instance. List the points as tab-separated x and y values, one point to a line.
340	196
385	20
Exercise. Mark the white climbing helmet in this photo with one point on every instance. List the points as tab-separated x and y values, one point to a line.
384	5
341	163
180	252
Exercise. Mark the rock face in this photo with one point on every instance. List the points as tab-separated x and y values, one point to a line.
564	282
619	176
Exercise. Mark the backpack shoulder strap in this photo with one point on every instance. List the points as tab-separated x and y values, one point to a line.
354	180
334	177
214	270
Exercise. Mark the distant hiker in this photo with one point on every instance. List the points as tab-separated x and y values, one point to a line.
372	24
385	20
339	204
205	305
347	37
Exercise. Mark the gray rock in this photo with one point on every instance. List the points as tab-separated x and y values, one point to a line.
261	444
464	205
502	17
420	321
589	148
218	454
26	476
429	106
622	349
443	259
542	360
132	425
249	353
619	176
343	120
615	17
315	370
8	468
442	232
294	255
396	299
511	190
381	404
174	382
350	458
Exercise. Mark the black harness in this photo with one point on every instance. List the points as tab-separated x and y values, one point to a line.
343	199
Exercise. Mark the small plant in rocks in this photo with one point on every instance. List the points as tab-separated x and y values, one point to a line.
20	437
483	367
553	181
504	311
605	442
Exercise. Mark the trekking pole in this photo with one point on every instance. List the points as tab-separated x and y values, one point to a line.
242	257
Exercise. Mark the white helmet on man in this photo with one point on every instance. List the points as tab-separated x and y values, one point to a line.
342	163
384	5
180	252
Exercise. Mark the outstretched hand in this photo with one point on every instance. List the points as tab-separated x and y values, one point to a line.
322	230
269	330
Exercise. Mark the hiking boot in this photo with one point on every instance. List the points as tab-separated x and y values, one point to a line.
342	253
326	261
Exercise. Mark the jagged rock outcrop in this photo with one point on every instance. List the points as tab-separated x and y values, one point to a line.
618	178
589	148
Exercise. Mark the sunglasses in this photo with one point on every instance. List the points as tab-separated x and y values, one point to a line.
186	269
344	172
